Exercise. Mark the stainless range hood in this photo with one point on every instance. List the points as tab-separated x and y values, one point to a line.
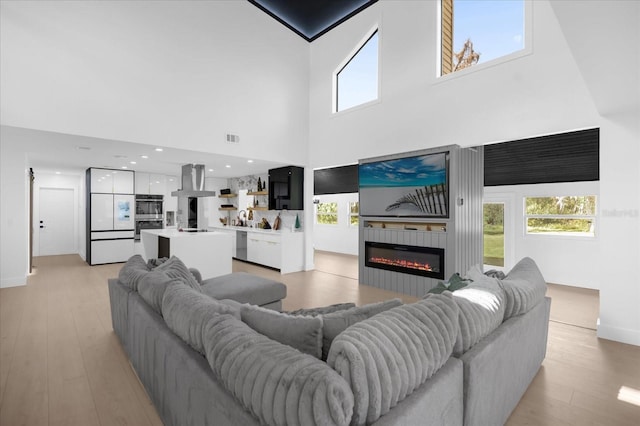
193	182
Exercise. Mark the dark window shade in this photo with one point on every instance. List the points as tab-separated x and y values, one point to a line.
565	157
336	180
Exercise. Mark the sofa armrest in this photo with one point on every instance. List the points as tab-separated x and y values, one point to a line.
196	274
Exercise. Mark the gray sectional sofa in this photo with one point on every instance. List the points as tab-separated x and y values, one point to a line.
451	359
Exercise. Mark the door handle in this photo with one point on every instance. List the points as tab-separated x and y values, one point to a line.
41	226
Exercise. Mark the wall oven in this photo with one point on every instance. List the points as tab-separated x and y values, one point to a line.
148	213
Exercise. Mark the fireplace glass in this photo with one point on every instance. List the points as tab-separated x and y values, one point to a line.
422	261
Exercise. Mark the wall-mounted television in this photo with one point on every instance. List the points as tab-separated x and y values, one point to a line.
415	186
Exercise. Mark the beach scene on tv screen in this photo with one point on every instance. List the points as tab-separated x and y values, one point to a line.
410	186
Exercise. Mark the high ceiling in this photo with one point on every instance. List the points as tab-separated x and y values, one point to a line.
312	18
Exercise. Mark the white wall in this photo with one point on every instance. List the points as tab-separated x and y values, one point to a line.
171	73
562	85
14	211
339	238
567	260
66	180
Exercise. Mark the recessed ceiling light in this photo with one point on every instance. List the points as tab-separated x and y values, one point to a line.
210	170
228	166
124	167
159	149
144	156
133	162
57	173
249	161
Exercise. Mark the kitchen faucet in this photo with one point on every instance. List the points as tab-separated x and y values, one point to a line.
242	216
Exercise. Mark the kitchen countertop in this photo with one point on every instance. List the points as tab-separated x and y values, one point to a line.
257	230
174	233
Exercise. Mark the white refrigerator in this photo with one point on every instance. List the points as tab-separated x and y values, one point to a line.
112	228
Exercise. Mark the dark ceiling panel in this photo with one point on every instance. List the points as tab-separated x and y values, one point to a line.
312	18
565	157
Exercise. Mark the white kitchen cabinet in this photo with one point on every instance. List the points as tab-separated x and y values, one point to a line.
142	183
109	181
123	182
157	184
102	181
170	201
264	249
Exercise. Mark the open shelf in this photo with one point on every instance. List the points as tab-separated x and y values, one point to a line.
227	195
258	208
227	208
258	193
407	226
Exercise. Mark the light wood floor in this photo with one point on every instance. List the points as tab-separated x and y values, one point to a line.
61	364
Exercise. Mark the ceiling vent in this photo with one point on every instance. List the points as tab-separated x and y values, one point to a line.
233	138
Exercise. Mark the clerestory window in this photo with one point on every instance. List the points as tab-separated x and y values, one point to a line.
356	81
479	31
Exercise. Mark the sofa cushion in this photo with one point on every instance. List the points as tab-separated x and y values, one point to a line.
244	288
175	268
186	311
482	305
132	271
336	322
524	288
301	332
276	383
152	287
386	357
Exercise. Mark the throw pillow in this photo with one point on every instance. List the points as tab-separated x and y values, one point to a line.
132	271
176	269
388	356
301	332
276	383
482	305
336	322
186	311
152	287
524	287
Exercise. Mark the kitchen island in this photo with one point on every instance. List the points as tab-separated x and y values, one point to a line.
281	249
208	252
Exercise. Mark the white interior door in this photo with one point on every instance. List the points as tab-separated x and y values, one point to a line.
56	222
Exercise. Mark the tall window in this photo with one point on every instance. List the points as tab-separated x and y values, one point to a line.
478	31
357	79
327	213
354	212
564	215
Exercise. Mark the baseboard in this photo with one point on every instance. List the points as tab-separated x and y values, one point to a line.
13	282
623	335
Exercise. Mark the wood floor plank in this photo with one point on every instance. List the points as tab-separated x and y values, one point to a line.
61	363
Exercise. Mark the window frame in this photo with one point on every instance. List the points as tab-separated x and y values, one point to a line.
580	235
351	214
343	64
336	214
526	51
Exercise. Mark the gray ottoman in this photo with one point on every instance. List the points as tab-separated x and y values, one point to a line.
246	288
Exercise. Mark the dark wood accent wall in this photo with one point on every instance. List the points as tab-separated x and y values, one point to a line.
564	157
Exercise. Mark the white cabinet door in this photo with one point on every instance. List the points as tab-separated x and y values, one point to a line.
122	182
101	212
253	248
111	251
271	254
142	183
157	184
102	180
264	249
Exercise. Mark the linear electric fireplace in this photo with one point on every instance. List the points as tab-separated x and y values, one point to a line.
423	261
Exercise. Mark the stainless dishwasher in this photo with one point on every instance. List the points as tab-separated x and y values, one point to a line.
241	245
